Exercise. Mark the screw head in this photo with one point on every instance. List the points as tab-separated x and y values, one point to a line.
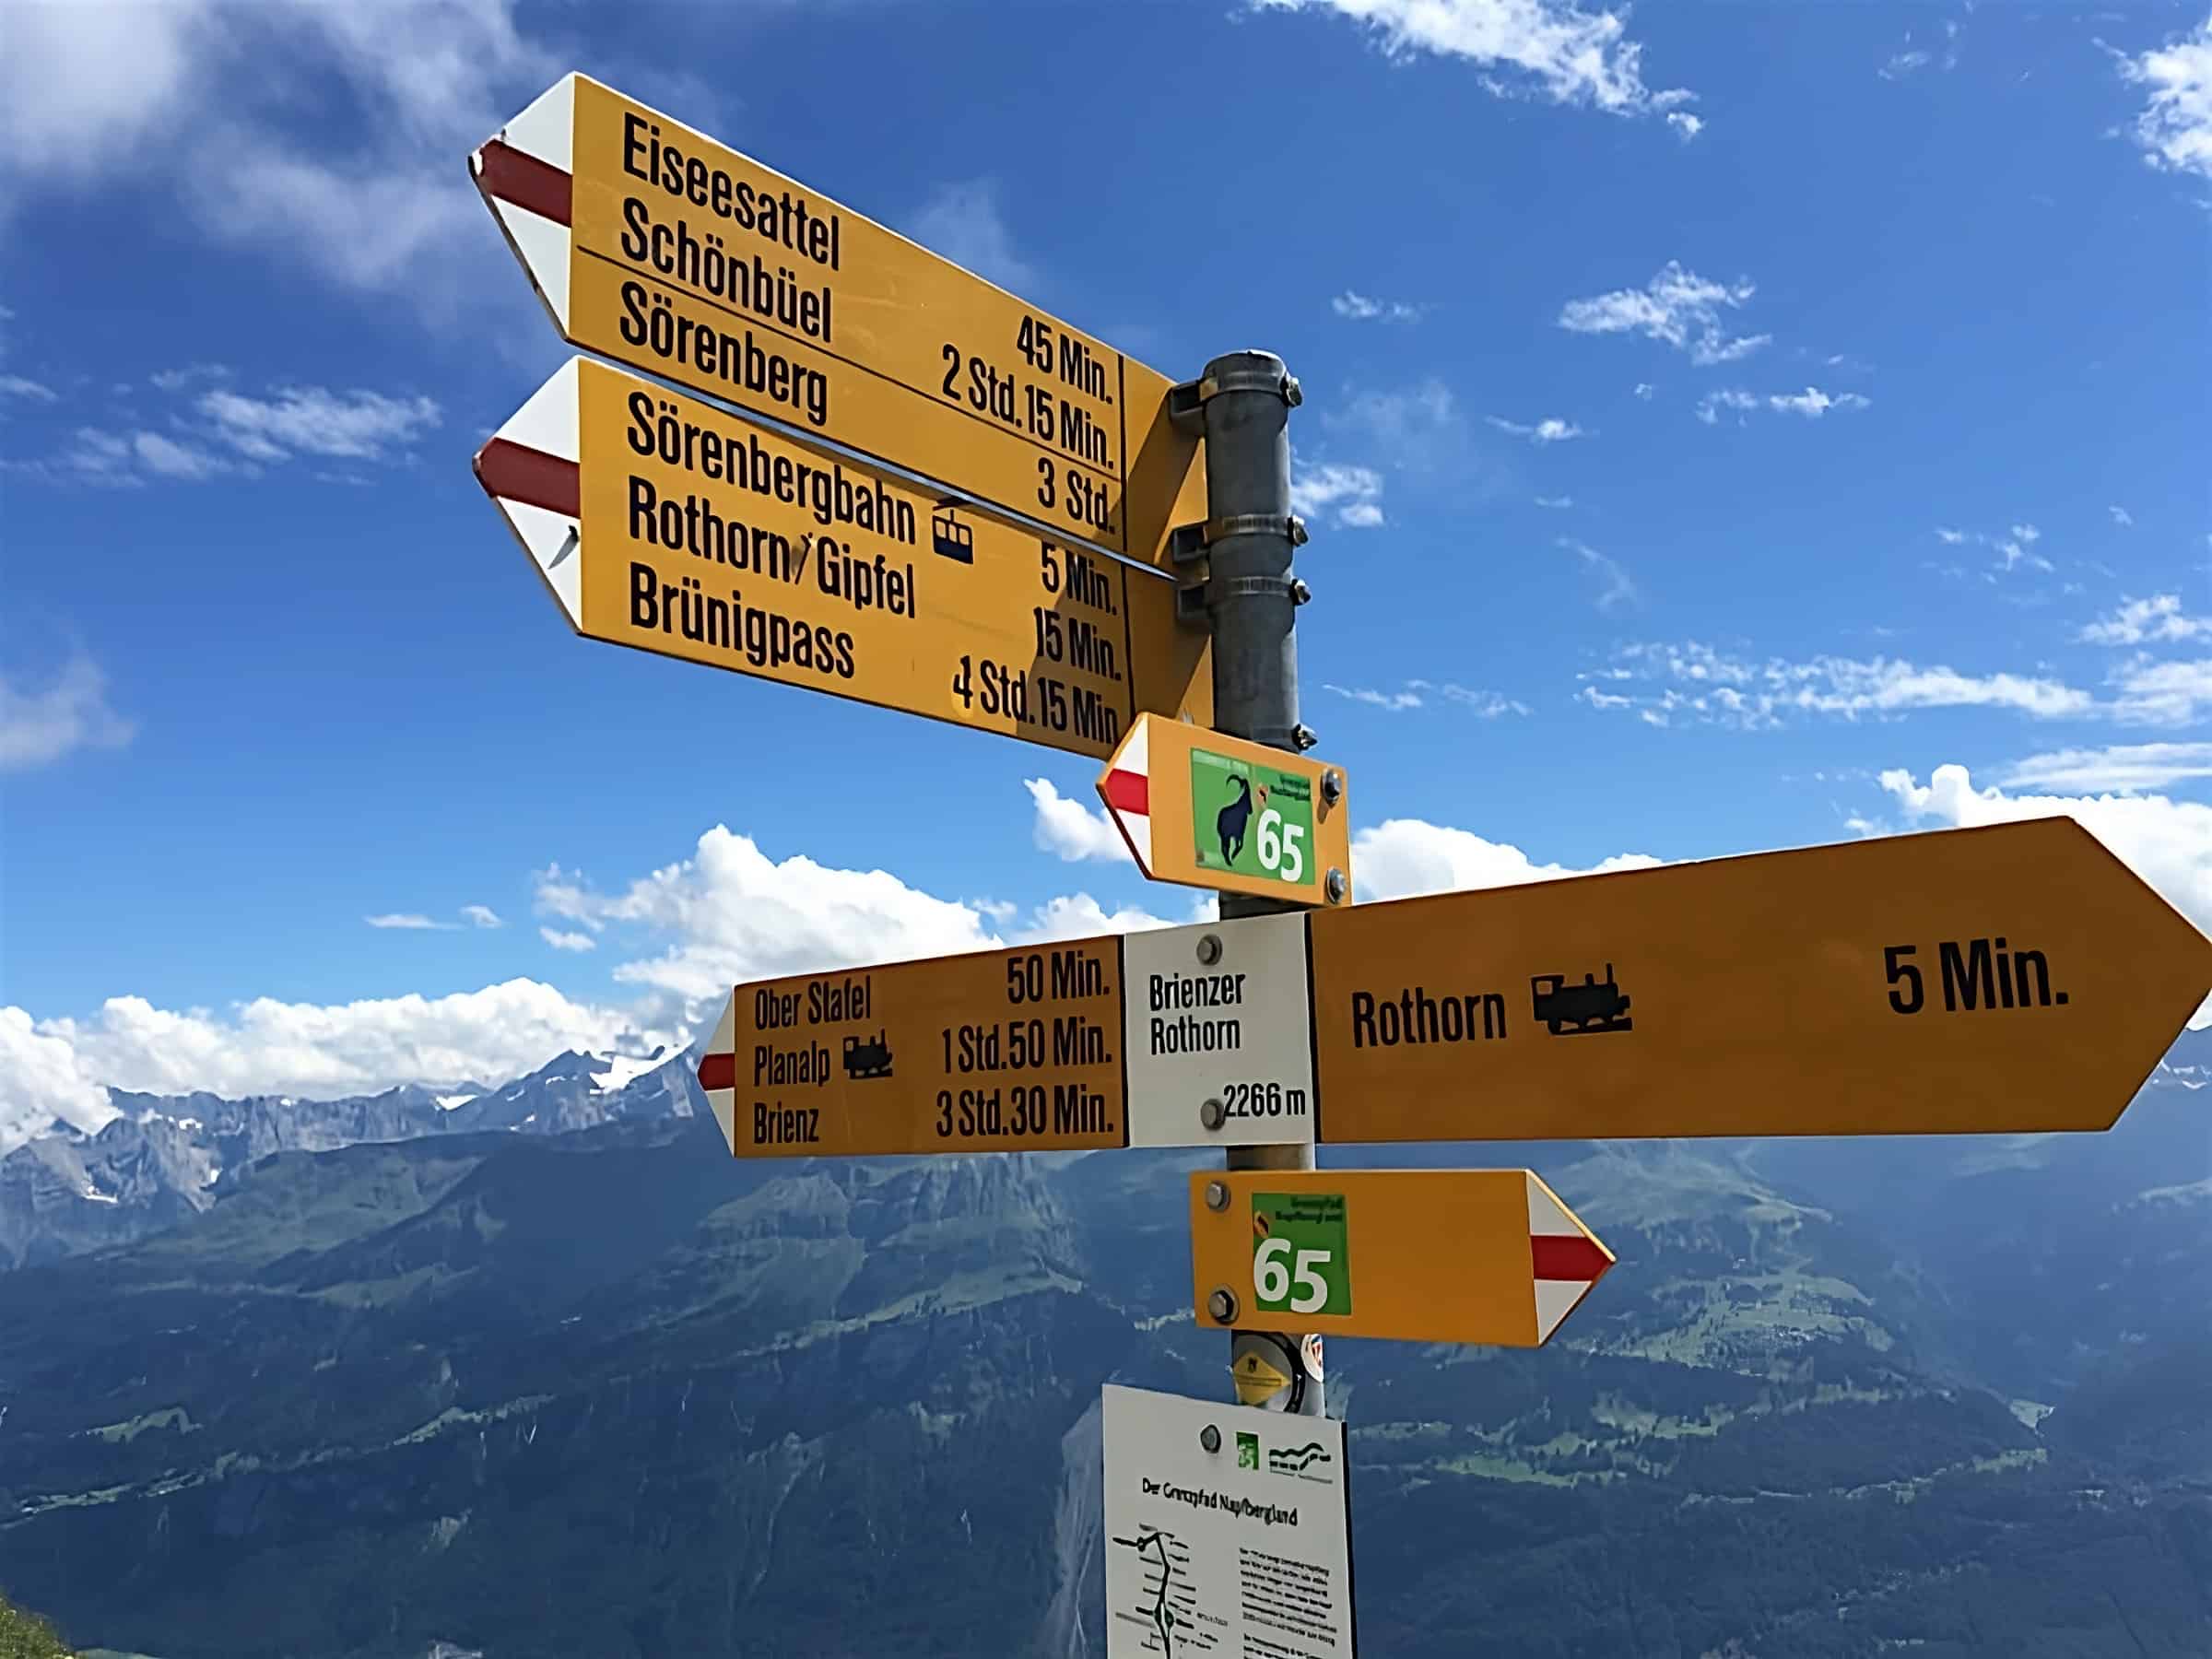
1221	1304
1211	1114
1210	1437
1336	886
1216	1194
1293	394
1332	787
1209	949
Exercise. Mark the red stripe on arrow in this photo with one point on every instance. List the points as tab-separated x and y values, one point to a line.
1557	1256
718	1071
531	476
1129	792
531	185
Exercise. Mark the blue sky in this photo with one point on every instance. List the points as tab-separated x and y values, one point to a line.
1718	419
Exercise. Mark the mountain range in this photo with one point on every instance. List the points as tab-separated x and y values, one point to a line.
565	1379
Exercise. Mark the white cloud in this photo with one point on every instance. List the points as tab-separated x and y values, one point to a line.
1390	703
1616	587
1353	494
733	914
963	223
180	380
2127	768
43	1081
1704	686
322	1051
198	99
1071	829
1421	429
1643	390
1400	858
561	939
1363	308
39	726
16	386
2166	843
312	421
1686	125
2167	693
2174	127
1551	430
1951	537
169	459
475	915
2157	618
2121	516
1573	56
1555	501
1812	403
1904	64
1676	307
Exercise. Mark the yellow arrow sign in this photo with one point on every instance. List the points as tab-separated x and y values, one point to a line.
2011	979
1207	809
654	245
1423	1255
663	523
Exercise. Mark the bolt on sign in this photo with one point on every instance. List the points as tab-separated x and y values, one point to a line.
668	525
1204	810
2007	979
1488	1256
652	244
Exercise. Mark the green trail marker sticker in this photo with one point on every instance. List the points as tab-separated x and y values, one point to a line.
1301	1253
1251	819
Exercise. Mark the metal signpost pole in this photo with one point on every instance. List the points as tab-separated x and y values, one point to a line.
1249	534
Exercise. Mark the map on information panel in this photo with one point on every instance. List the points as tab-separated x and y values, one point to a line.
1227	1531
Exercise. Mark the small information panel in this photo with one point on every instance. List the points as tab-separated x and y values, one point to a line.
1004	1051
1228	1531
1218	1011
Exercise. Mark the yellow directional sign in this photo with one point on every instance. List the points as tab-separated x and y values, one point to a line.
2010	979
652	244
1004	1051
1423	1255
1207	809
663	523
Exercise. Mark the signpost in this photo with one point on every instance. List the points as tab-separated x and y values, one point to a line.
1423	1255
665	523
1228	1531
2013	979
2005	980
1204	810
654	245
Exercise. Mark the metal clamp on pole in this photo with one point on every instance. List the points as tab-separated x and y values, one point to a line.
1245	371
1187	543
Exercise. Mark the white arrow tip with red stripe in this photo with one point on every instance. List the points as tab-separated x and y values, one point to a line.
529	469
1566	1256
527	179
718	1072
1126	788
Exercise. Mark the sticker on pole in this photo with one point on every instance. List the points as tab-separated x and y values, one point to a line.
1300	1253
1228	1531
1216	1027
